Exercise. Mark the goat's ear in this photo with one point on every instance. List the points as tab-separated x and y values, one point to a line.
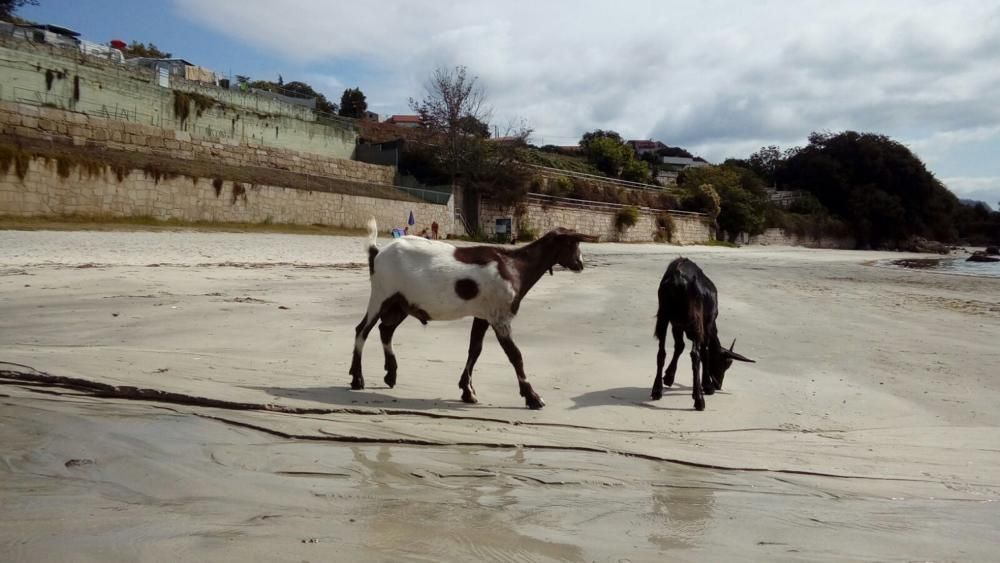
736	356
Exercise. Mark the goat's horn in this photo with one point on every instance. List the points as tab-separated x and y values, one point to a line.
733	345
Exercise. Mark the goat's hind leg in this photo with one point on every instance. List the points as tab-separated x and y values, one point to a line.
668	377
391	318
657	393
360	335
479	327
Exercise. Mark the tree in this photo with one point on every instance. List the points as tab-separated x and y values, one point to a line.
137	49
635	170
600	134
877	185
674	151
765	163
9	7
453	101
469	125
353	103
741	207
607	152
292	89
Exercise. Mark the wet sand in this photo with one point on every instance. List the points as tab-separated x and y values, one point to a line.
200	381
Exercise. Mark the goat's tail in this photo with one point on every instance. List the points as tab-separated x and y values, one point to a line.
372	245
662	321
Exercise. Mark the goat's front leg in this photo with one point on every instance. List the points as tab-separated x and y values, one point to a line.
657	393
514	355
360	335
696	392
707	369
479	327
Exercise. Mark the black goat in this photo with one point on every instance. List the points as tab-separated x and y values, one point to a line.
689	301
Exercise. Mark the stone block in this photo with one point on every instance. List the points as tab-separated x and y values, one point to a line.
27	109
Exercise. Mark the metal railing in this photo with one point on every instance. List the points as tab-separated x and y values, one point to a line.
430	196
549	171
548	200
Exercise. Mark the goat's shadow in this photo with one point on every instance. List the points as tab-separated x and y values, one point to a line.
368	397
638	396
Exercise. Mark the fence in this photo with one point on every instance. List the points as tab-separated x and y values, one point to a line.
429	195
556	172
547	200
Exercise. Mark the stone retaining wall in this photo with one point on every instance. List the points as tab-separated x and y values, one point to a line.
778	237
44	75
44	192
688	229
51	124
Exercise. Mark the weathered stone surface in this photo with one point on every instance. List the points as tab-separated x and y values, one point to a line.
688	229
43	192
79	129
780	237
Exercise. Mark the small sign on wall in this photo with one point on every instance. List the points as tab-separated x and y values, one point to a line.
503	226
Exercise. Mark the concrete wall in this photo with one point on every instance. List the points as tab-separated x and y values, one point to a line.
778	237
43	192
52	124
599	222
41	74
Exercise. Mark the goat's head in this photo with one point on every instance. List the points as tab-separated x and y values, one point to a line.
565	244
722	360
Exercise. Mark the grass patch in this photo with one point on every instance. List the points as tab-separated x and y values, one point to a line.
148	223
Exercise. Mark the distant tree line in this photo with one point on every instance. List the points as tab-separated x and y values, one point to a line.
873	185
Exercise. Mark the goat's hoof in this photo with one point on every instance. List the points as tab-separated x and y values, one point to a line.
699	404
390	380
668	382
469	397
656	395
358	384
708	389
534	403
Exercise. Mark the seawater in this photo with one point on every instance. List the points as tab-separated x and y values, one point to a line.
949	265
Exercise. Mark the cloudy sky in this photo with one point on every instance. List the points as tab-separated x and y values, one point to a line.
721	78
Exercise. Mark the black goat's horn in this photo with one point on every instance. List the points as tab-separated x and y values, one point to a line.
733	345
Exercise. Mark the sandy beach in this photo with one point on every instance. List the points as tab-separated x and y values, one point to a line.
184	396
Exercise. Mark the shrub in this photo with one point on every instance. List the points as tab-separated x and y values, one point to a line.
525	233
664	227
626	218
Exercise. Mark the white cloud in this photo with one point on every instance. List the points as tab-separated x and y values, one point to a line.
982	188
720	77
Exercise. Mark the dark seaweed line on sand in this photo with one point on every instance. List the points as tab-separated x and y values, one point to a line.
107	391
104	390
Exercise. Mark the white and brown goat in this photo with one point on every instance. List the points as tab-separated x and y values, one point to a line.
435	281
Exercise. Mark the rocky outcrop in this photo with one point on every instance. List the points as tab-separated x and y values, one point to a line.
920	244
983	256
